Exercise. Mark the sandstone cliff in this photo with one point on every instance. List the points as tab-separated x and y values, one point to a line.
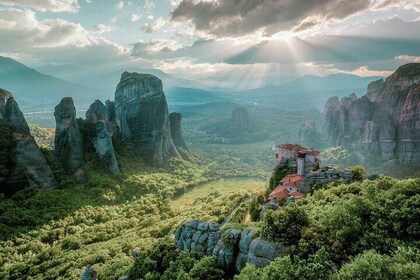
26	164
385	123
142	115
68	143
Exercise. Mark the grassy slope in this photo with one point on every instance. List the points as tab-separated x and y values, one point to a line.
104	235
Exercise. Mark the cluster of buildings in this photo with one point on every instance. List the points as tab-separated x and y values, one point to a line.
306	160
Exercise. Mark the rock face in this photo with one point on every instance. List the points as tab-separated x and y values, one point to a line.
385	123
27	166
142	114
308	135
68	144
240	122
101	128
232	250
324	177
176	132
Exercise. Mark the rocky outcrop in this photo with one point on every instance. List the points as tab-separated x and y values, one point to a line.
176	133
331	124
101	129
325	177
385	123
27	165
375	89
68	144
240	122
232	250
142	115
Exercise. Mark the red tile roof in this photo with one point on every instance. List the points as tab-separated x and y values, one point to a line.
299	149
280	192
292	180
291	147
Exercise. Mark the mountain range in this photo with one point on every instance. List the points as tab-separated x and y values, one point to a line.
40	89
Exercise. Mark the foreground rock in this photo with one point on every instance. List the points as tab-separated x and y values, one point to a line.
27	166
101	130
385	123
68	144
142	114
232	250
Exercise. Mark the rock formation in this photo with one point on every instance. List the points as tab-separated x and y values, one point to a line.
240	122
101	129
385	123
176	131
142	115
27	166
308	135
232	250
68	144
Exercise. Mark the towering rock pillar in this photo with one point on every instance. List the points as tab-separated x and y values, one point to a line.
176	131
27	166
100	134
142	114
68	144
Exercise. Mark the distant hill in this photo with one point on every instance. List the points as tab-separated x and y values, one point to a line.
35	91
108	81
307	92
191	95
329	83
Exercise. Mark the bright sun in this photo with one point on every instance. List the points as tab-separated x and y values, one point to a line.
283	35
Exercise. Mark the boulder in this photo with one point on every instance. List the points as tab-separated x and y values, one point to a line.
68	144
142	115
27	165
101	130
262	252
89	273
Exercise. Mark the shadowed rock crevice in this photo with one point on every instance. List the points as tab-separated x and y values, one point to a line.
101	130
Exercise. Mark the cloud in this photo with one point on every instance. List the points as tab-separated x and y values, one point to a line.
232	18
408	58
120	5
404	4
135	17
45	5
149	6
156	24
99	29
394	27
54	41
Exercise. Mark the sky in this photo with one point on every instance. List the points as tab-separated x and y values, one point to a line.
236	43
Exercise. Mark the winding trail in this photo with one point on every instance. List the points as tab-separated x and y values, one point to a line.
229	216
